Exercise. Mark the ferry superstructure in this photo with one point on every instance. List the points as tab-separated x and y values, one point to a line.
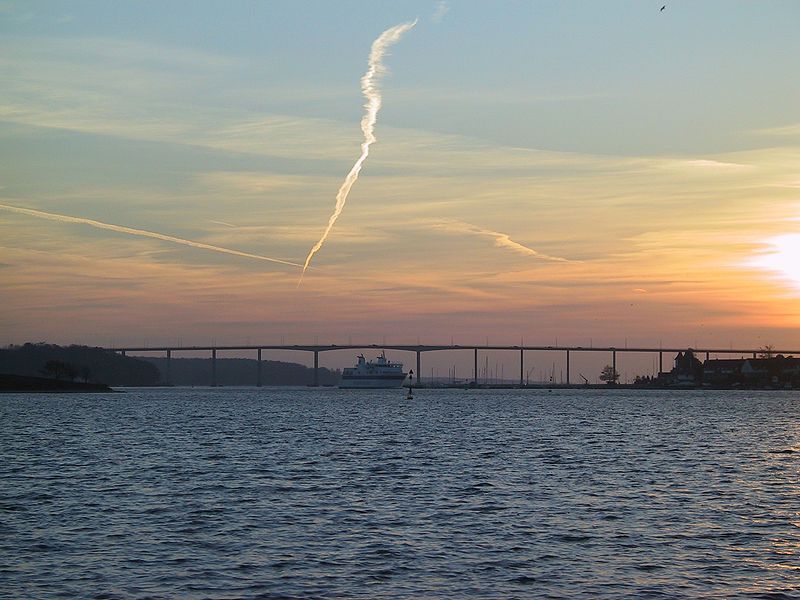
378	374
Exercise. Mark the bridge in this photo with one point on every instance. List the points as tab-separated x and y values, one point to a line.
419	349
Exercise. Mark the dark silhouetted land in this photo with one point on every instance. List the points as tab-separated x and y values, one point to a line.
21	383
77	364
85	364
240	371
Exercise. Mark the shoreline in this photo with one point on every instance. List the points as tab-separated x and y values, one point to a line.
13	384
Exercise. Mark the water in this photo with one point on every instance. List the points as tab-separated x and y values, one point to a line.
202	493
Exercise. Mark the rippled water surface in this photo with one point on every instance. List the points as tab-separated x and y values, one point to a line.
200	493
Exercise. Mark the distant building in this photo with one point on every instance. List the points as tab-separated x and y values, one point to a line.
687	372
769	372
722	372
777	371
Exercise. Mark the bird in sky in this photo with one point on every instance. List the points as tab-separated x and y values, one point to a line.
663	7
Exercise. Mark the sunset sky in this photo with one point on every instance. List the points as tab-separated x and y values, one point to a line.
544	170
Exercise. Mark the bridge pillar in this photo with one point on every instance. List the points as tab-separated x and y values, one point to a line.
169	367
419	369
521	367
258	378
660	362
316	368
213	367
475	371
708	355
567	367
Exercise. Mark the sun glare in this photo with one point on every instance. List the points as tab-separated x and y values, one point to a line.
783	257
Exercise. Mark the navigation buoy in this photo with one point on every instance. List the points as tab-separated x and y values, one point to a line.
410	394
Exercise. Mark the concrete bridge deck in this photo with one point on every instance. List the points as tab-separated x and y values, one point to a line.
419	349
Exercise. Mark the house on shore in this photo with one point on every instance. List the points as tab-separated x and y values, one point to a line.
775	371
723	371
766	372
686	372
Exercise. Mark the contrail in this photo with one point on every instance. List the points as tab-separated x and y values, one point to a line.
371	91
501	240
140	232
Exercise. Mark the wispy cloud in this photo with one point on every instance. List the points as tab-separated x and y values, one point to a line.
110	52
702	163
441	9
501	240
784	130
10	11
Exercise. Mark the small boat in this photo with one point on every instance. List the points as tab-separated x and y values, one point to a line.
378	374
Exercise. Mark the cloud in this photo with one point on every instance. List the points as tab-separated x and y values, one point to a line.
710	164
108	52
501	240
784	130
10	11
254	183
441	9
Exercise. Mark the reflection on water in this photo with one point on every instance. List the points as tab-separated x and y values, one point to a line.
315	493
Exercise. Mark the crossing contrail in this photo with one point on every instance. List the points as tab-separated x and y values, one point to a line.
372	93
140	232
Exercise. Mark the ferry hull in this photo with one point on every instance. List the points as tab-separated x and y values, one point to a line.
373	383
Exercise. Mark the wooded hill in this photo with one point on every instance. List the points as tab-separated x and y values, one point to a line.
81	363
85	363
240	371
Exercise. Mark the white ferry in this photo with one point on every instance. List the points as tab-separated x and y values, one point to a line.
381	373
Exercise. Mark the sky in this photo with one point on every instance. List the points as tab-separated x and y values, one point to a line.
544	172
